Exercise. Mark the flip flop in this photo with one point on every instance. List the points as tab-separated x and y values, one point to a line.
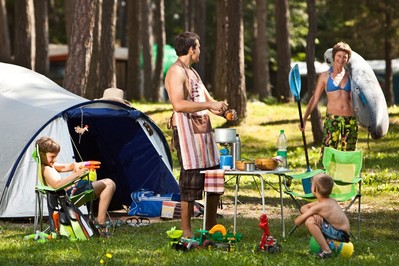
137	222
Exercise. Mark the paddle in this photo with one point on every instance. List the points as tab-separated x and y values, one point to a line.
295	87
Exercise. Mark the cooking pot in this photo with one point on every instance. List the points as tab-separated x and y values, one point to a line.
225	135
249	166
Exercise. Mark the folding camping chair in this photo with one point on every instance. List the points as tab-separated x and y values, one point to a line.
345	168
56	196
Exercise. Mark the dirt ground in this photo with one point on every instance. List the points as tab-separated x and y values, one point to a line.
247	206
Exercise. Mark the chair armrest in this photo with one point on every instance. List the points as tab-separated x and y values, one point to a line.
48	188
84	176
305	175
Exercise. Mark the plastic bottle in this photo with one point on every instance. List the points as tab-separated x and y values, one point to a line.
282	144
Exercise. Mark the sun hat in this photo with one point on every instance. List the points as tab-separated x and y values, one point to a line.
114	94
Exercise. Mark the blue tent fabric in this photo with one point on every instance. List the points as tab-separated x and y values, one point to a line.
126	154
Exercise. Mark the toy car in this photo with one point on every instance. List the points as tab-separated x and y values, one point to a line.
217	237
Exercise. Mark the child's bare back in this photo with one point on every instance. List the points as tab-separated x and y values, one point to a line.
326	207
332	213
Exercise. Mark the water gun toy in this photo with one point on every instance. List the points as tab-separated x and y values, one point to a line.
91	165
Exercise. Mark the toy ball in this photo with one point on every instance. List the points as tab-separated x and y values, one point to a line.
314	246
346	249
341	248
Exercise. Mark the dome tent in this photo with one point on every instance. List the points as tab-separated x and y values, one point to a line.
132	149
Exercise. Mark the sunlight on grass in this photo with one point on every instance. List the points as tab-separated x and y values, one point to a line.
258	131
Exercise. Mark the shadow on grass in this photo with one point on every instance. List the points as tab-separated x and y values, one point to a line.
280	122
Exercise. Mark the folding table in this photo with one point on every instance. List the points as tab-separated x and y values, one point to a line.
257	173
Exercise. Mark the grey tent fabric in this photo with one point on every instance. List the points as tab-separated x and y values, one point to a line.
33	106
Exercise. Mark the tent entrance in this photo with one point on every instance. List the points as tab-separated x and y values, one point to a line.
117	140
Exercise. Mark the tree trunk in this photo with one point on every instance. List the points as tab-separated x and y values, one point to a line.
236	95
315	116
261	63
24	45
80	48
5	51
122	22
107	59
69	13
42	64
220	87
189	15
388	87
200	23
283	51
134	90
146	38
94	91
159	33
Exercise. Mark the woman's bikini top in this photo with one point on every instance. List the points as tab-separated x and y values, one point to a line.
331	86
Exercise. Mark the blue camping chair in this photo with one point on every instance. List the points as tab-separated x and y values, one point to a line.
345	169
57	198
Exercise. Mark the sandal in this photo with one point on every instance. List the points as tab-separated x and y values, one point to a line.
324	255
137	222
103	230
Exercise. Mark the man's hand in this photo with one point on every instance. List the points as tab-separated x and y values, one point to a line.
219	108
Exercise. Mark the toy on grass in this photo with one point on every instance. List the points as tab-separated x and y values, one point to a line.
345	249
267	243
218	228
314	246
221	238
217	237
174	235
342	249
40	237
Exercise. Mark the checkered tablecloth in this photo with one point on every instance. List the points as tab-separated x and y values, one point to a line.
214	181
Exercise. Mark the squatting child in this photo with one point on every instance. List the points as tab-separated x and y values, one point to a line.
324	218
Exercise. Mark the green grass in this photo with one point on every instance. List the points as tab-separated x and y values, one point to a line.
149	245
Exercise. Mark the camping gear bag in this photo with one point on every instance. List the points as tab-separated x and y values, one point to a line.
148	204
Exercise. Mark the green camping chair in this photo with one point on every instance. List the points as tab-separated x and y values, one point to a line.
345	168
42	191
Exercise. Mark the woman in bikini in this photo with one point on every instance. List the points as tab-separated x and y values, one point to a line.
340	125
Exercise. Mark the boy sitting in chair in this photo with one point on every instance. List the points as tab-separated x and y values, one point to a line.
324	218
104	189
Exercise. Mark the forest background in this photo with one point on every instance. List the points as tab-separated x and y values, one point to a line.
247	46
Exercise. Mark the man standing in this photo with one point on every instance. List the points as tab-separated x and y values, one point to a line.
192	130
